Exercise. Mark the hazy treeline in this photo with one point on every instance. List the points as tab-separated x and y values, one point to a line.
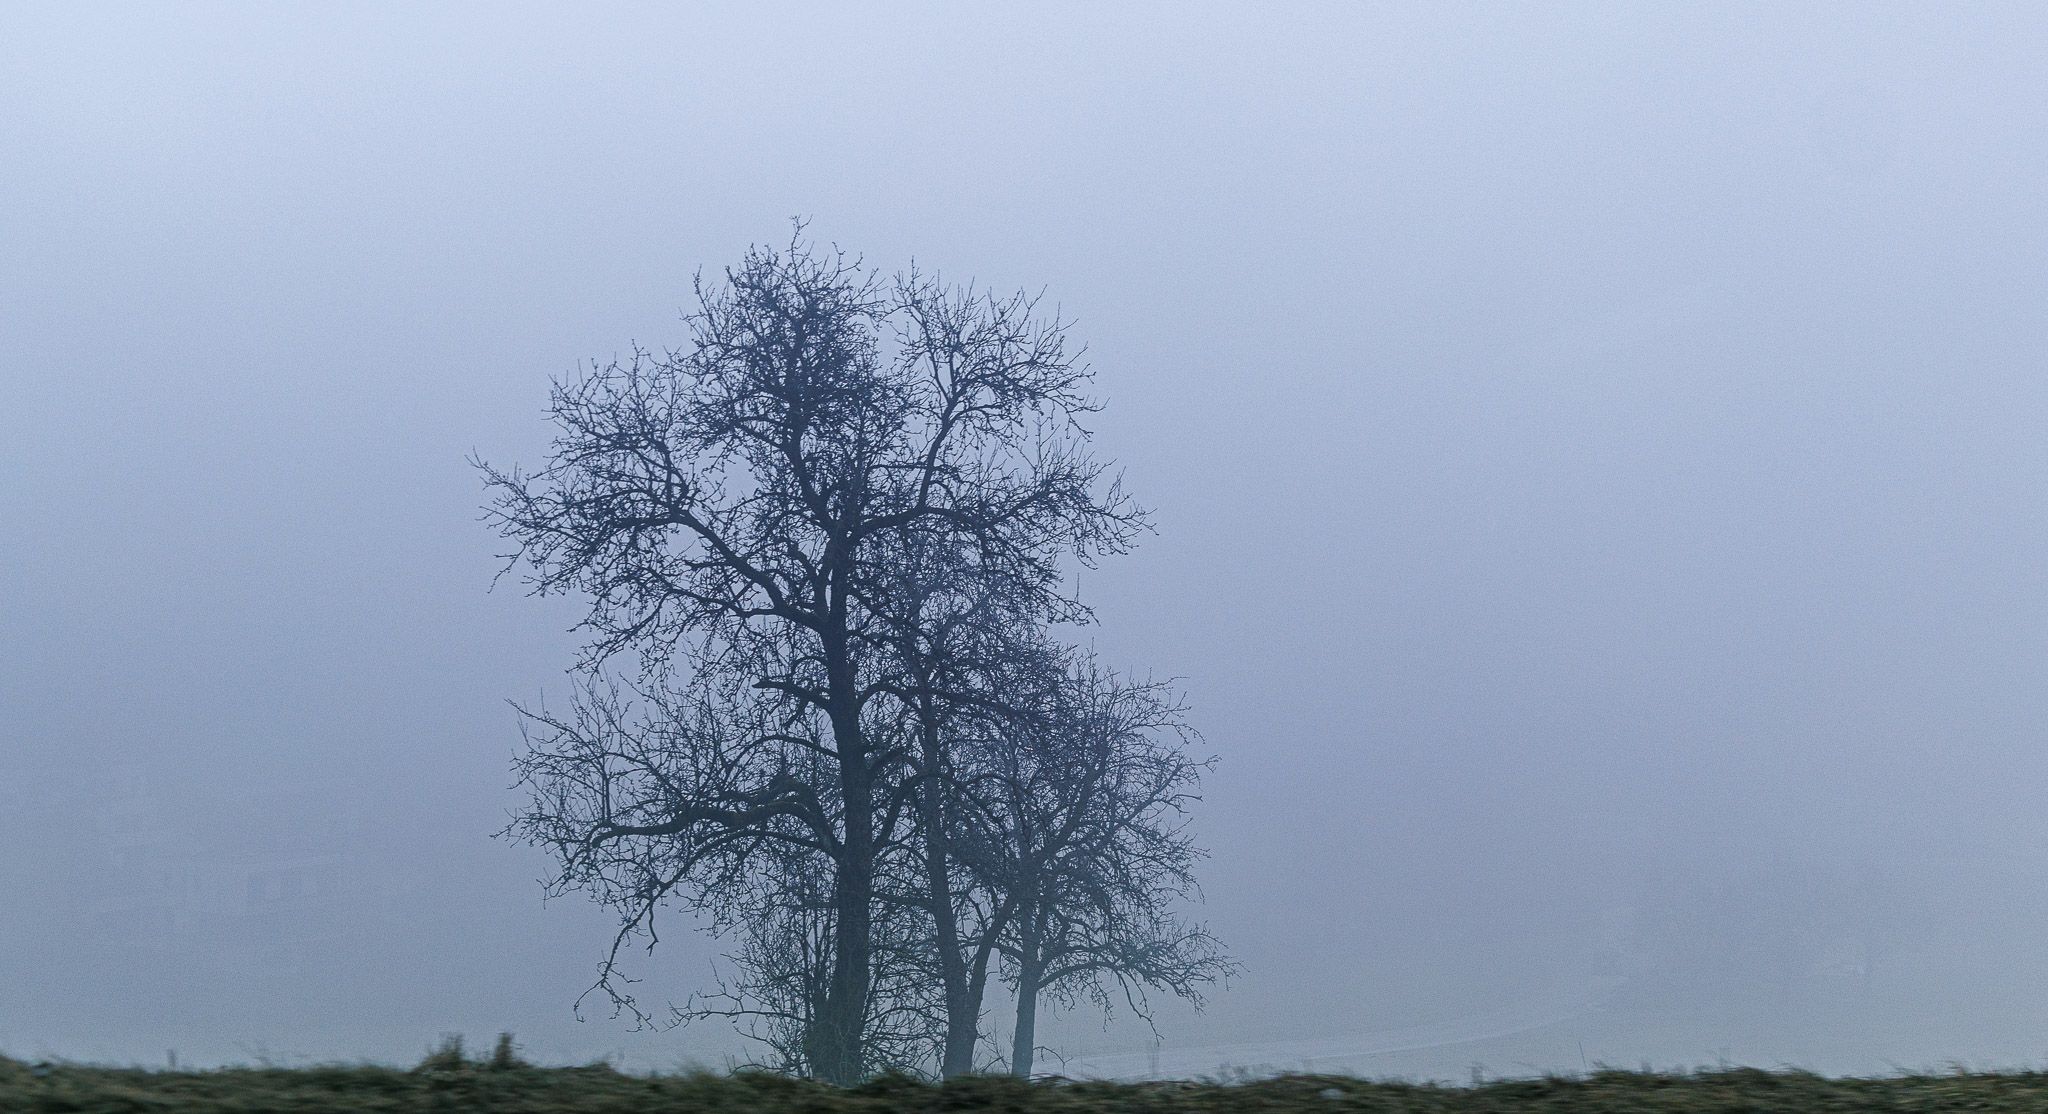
830	699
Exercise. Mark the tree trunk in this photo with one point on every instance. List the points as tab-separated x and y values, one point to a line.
1030	969
838	1043
963	1008
841	1023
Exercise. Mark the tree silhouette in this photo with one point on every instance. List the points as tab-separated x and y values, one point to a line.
739	514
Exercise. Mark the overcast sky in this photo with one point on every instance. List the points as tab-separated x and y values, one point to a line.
1598	455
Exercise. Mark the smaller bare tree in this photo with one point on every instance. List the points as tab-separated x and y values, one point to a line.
1085	813
975	668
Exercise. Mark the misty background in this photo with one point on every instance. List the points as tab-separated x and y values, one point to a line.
1597	453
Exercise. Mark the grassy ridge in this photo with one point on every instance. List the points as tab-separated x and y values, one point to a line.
520	1089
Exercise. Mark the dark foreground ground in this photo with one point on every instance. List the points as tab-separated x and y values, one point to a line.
29	1088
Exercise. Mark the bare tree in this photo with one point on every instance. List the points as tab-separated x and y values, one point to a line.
973	666
737	513
1086	810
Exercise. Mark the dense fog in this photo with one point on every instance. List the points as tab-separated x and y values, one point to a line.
1596	453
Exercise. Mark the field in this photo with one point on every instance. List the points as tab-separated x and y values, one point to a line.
520	1089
